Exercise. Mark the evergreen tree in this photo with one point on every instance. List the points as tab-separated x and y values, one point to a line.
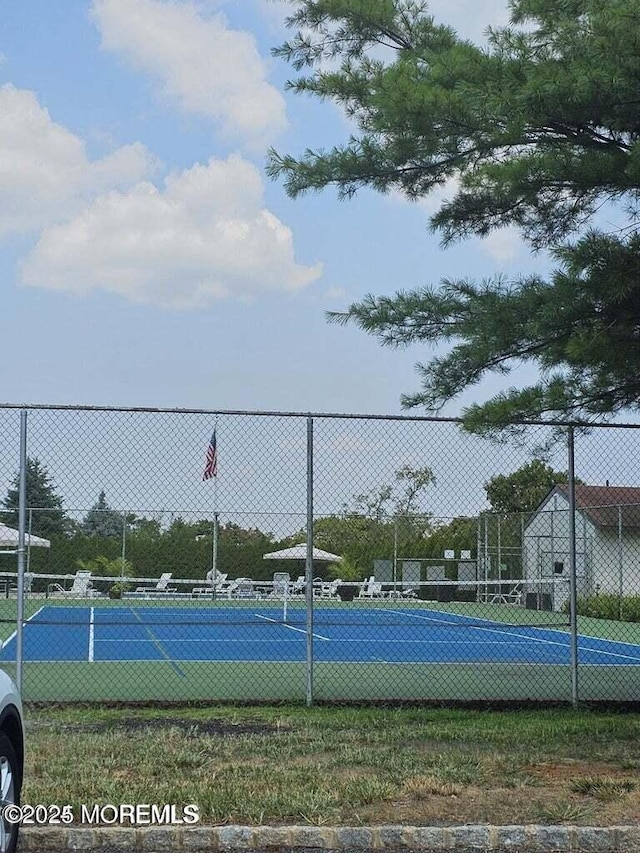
101	520
538	130
44	506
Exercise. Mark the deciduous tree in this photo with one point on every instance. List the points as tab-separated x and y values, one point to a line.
524	489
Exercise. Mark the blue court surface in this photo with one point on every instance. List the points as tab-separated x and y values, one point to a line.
385	634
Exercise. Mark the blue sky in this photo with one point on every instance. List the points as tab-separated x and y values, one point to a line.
146	259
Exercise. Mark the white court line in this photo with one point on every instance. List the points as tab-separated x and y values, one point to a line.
521	636
342	640
209	640
91	634
290	627
550	629
13	636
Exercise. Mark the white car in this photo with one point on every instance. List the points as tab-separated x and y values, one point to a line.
11	758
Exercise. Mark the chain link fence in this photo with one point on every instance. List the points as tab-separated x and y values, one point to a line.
331	558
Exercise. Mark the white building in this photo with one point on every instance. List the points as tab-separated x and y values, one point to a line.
607	543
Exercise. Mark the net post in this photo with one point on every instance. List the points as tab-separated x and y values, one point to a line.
309	564
123	554
22	518
29	532
285	595
486	549
573	594
214	554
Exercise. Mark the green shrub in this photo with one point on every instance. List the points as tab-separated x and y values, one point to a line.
608	606
102	566
117	590
345	570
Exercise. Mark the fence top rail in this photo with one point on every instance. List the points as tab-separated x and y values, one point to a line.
292	414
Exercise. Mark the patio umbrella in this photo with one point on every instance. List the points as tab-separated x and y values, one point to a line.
299	552
9	539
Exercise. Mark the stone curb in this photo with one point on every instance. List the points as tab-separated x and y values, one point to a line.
431	839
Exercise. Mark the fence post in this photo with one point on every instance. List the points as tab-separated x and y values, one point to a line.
123	554
309	563
214	554
22	518
478	561
620	565
573	594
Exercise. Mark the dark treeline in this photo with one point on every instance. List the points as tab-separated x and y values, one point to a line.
386	524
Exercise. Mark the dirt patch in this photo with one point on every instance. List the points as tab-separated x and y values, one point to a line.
569	769
544	792
555	804
472	805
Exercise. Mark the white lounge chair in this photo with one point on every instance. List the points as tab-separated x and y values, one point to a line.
511	596
28	580
244	588
222	588
226	589
161	586
365	589
216	582
373	589
298	586
329	589
403	590
365	586
376	591
81	587
408	592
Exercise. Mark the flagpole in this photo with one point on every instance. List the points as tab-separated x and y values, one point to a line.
211	471
214	555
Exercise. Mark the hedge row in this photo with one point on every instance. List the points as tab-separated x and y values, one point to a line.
625	609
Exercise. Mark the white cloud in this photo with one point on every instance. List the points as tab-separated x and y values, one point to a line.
208	68
432	202
45	173
275	12
205	236
336	294
504	245
470	18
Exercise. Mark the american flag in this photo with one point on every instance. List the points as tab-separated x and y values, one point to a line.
211	465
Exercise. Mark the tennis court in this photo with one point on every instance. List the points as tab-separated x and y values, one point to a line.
390	634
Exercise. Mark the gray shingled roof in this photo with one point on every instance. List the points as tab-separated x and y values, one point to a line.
600	504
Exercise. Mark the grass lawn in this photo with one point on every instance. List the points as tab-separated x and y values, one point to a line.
288	764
